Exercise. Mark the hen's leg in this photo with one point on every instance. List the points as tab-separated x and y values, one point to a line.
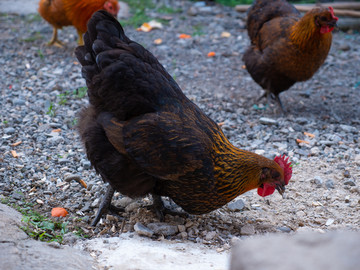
81	40
161	210
106	206
278	100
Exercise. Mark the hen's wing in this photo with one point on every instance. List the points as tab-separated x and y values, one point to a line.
263	11
163	144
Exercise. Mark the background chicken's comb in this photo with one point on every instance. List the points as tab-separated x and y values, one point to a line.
332	13
285	164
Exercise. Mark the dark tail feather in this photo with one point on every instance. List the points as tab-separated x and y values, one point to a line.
103	31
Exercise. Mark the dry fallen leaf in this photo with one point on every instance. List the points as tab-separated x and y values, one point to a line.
82	182
17	143
148	26
211	54
309	134
184	36
56	130
221	124
301	141
158	41
39	201
14	154
59	212
225	34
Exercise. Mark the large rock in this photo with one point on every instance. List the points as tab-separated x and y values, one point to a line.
19	252
304	251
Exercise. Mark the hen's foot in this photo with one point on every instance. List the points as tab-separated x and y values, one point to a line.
106	206
270	96
160	209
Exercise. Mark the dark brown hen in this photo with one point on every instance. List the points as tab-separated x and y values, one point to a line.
285	47
144	136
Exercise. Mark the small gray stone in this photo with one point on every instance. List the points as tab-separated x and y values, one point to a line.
132	206
318	181
357	160
192	11
348	129
329	184
210	236
163	228
18	102
63	161
9	130
284	229
86	164
140	229
55	140
17	195
349	182
267	121
301	120
237	205
247	229
315	151
181	228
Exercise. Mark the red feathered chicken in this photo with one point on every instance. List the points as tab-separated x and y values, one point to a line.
285	47
60	13
144	136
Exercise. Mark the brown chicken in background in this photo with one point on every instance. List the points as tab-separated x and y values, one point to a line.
60	13
285	47
144	136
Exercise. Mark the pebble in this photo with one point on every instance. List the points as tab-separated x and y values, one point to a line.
9	130
161	228
329	184
315	151
284	229
318	181
140	229
267	121
329	222
237	205
247	229
357	160
181	228
349	182
132	206
210	236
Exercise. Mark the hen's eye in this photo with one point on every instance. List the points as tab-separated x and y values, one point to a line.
323	18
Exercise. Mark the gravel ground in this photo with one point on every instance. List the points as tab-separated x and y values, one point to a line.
42	92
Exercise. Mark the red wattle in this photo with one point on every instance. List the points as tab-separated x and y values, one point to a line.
266	190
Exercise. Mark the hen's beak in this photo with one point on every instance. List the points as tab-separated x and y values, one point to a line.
333	23
281	189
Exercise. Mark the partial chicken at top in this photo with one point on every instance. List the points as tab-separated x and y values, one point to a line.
285	47
144	136
60	13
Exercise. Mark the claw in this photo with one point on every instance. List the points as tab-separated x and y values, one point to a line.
106	206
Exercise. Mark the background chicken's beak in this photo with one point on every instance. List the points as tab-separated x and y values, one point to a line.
281	189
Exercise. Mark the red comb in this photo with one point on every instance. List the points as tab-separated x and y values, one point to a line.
332	13
285	164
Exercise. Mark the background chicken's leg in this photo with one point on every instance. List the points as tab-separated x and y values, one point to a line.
81	40
54	39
